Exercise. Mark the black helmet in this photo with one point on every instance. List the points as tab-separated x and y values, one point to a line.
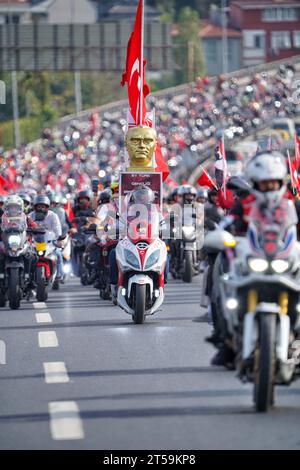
174	193
83	195
143	195
210	194
42	199
105	196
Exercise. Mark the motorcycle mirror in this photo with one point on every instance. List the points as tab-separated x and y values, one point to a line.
218	240
236	183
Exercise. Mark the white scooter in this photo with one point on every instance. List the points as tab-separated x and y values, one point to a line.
141	261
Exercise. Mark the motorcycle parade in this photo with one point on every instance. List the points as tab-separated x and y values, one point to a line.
123	248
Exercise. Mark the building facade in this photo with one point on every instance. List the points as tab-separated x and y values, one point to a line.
212	40
270	29
14	11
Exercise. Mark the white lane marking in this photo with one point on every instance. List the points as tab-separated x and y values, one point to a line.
43	318
65	421
55	372
38	305
48	339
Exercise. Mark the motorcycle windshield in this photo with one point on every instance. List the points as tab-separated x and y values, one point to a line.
272	231
16	223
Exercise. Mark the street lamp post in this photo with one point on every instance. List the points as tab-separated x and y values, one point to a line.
224	37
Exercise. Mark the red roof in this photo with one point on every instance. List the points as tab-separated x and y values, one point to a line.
210	30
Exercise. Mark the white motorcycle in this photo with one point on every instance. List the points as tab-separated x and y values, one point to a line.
142	263
256	297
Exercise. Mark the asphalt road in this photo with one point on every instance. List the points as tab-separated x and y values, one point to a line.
80	375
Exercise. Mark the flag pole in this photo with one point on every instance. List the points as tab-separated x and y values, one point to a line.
224	165
291	172
142	65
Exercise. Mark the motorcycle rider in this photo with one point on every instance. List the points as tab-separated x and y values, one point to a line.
83	204
266	172
27	202
14	207
56	207
202	196
142	196
82	211
46	219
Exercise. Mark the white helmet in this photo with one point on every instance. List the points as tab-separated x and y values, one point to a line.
266	166
14	200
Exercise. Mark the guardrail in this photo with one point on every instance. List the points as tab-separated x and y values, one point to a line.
242	75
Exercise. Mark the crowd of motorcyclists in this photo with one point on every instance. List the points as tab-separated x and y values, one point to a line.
49	234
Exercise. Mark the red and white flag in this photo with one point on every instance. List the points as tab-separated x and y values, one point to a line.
221	170
294	175
134	75
297	151
206	180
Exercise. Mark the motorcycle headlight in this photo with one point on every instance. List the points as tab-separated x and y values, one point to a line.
188	233
14	242
132	259
152	259
280	266
258	265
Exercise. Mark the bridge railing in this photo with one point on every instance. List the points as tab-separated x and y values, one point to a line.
242	75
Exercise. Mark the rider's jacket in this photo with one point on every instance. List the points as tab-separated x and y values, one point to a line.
50	223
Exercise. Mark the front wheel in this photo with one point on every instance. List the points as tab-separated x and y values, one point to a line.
41	285
14	290
140	304
264	363
188	267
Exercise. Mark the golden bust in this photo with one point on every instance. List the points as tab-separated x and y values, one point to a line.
141	142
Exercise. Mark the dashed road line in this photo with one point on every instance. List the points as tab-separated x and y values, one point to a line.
55	372
38	305
65	421
47	339
43	318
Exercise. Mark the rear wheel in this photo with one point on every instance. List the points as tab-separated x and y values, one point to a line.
264	364
41	284
188	267
140	304
14	290
84	278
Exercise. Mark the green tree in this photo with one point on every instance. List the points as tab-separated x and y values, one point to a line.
189	54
